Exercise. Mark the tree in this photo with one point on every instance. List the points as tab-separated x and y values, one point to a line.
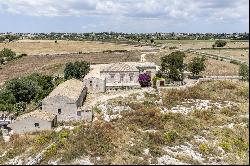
8	53
1	60
144	80
23	89
244	71
76	70
220	43
152	41
197	65
173	65
19	107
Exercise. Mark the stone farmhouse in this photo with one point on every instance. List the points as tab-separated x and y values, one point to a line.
37	120
66	100
123	75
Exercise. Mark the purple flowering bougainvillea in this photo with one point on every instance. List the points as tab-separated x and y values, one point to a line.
144	80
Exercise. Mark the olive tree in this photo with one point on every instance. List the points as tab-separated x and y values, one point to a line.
173	65
197	65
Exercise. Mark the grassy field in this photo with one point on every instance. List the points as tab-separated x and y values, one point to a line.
213	67
242	54
196	44
216	67
50	64
38	47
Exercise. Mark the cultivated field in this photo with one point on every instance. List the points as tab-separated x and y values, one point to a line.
42	56
216	67
242	54
196	44
50	64
38	47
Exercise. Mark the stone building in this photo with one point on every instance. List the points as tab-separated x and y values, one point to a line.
95	84
121	75
65	100
37	120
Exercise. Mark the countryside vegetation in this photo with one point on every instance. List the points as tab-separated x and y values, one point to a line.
125	140
212	128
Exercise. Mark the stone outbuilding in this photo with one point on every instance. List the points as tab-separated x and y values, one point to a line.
95	84
34	121
65	100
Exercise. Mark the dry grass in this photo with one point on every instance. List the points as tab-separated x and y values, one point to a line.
52	63
195	44
239	54
37	47
216	67
122	141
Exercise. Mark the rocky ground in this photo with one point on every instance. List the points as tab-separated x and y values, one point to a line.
204	124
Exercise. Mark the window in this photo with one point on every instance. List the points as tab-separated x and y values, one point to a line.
112	76
78	113
131	75
90	83
148	73
36	124
59	111
122	77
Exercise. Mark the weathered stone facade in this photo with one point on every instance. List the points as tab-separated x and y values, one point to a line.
95	84
123	75
65	100
34	121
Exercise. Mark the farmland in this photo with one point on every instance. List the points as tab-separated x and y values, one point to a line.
38	47
48	57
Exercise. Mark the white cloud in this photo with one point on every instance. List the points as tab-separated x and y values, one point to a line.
165	10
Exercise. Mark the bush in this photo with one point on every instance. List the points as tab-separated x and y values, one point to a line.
8	53
76	70
19	91
220	43
225	146
203	148
144	80
19	107
235	62
244	71
170	136
173	65
197	65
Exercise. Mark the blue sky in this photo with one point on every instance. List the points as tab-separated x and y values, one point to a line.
124	16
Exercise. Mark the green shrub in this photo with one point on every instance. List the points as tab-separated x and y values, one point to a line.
170	136
41	140
76	70
64	134
225	146
244	71
235	62
220	43
203	148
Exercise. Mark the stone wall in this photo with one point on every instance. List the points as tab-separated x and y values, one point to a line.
128	77
98	85
28	125
68	110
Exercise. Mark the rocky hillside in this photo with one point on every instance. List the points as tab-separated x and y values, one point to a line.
205	124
